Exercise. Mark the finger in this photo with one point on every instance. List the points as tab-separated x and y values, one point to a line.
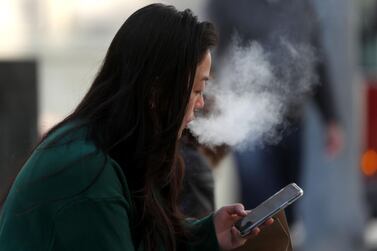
237	209
237	240
228	215
253	233
268	222
235	218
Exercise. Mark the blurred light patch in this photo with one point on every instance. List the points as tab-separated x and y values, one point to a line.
369	162
12	29
47	121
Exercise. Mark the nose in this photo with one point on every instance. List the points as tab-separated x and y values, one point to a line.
199	103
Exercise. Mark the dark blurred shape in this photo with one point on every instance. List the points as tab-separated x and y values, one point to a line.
372	115
18	117
198	198
369	158
368	38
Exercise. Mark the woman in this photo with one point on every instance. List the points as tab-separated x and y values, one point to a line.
107	176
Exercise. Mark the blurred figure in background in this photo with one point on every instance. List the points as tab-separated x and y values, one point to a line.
334	210
263	171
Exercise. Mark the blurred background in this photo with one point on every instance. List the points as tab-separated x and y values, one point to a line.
50	51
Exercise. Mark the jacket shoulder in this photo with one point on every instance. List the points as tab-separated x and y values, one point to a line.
67	164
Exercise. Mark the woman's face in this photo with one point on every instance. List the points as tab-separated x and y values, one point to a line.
196	98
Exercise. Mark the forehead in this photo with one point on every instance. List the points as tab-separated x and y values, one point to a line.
205	64
204	67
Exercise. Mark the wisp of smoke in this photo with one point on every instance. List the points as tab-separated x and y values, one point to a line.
252	93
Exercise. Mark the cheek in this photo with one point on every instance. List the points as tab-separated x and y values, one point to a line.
190	106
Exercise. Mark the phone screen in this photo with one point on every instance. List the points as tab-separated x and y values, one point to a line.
268	208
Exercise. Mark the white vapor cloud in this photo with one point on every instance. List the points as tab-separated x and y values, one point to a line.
252	92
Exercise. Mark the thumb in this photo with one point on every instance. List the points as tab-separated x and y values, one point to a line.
237	209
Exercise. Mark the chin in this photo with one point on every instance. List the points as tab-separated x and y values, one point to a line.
180	132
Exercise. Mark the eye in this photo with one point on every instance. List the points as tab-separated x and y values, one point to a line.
199	92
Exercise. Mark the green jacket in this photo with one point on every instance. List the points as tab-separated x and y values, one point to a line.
71	196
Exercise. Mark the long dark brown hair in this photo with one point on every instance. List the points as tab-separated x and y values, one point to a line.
135	107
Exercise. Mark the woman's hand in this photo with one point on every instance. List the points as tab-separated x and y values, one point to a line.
227	234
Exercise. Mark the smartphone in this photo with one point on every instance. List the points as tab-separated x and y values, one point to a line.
269	208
